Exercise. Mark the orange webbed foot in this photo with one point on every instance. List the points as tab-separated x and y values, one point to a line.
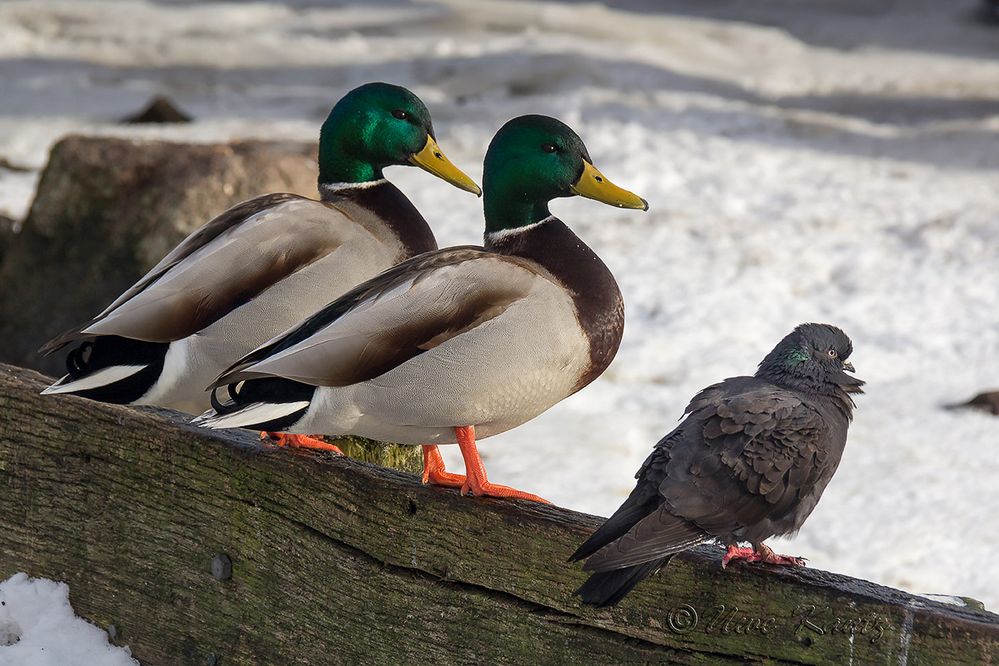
488	489
434	472
476	481
288	440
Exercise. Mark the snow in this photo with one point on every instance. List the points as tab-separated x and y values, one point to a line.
948	599
38	628
804	161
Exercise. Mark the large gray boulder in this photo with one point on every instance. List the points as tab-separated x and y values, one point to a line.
107	209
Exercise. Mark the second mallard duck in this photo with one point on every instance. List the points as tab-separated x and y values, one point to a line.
458	342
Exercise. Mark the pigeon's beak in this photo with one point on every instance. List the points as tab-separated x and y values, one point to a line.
848	367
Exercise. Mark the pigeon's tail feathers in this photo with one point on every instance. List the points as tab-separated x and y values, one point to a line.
606	588
111	369
655	536
649	544
272	404
629	513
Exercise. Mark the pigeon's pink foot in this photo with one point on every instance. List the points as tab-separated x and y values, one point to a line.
760	553
434	472
736	553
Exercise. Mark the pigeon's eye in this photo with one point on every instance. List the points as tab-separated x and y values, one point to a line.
400	114
832	353
549	148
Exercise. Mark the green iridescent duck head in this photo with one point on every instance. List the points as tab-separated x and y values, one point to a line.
534	159
379	125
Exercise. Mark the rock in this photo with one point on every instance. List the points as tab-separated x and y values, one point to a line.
988	12
107	209
221	567
159	110
987	401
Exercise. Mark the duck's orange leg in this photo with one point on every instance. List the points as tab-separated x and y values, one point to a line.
288	440
434	471
476	481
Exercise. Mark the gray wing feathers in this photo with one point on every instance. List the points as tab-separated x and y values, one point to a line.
160	308
757	453
214	277
396	320
203	236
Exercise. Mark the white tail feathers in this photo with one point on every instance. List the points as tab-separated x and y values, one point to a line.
255	412
103	377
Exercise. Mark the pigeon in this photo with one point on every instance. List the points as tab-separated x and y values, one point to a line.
749	461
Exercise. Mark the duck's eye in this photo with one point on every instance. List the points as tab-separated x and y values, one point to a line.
832	353
549	148
400	114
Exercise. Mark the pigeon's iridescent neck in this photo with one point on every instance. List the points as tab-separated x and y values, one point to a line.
814	385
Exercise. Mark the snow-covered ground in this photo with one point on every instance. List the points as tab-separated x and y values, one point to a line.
811	161
38	628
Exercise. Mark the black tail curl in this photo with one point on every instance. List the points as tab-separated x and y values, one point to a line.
275	390
225	407
111	350
78	360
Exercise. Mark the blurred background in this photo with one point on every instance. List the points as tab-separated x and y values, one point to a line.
805	160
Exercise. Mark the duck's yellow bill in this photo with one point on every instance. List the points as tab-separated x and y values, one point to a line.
594	185
431	158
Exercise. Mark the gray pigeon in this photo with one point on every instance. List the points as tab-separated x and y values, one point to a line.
749	461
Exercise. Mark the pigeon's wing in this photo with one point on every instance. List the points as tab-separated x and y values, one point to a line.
642	501
641	529
752	454
715	392
660	532
646	531
645	498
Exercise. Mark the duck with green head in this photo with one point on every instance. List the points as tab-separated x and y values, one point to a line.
263	265
459	343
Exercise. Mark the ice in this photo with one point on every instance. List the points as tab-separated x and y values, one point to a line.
39	628
802	164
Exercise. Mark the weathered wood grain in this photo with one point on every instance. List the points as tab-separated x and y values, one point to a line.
340	562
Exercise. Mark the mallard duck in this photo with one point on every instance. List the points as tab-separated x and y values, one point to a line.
264	264
457	343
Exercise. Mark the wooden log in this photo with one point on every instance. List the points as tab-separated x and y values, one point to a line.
205	548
